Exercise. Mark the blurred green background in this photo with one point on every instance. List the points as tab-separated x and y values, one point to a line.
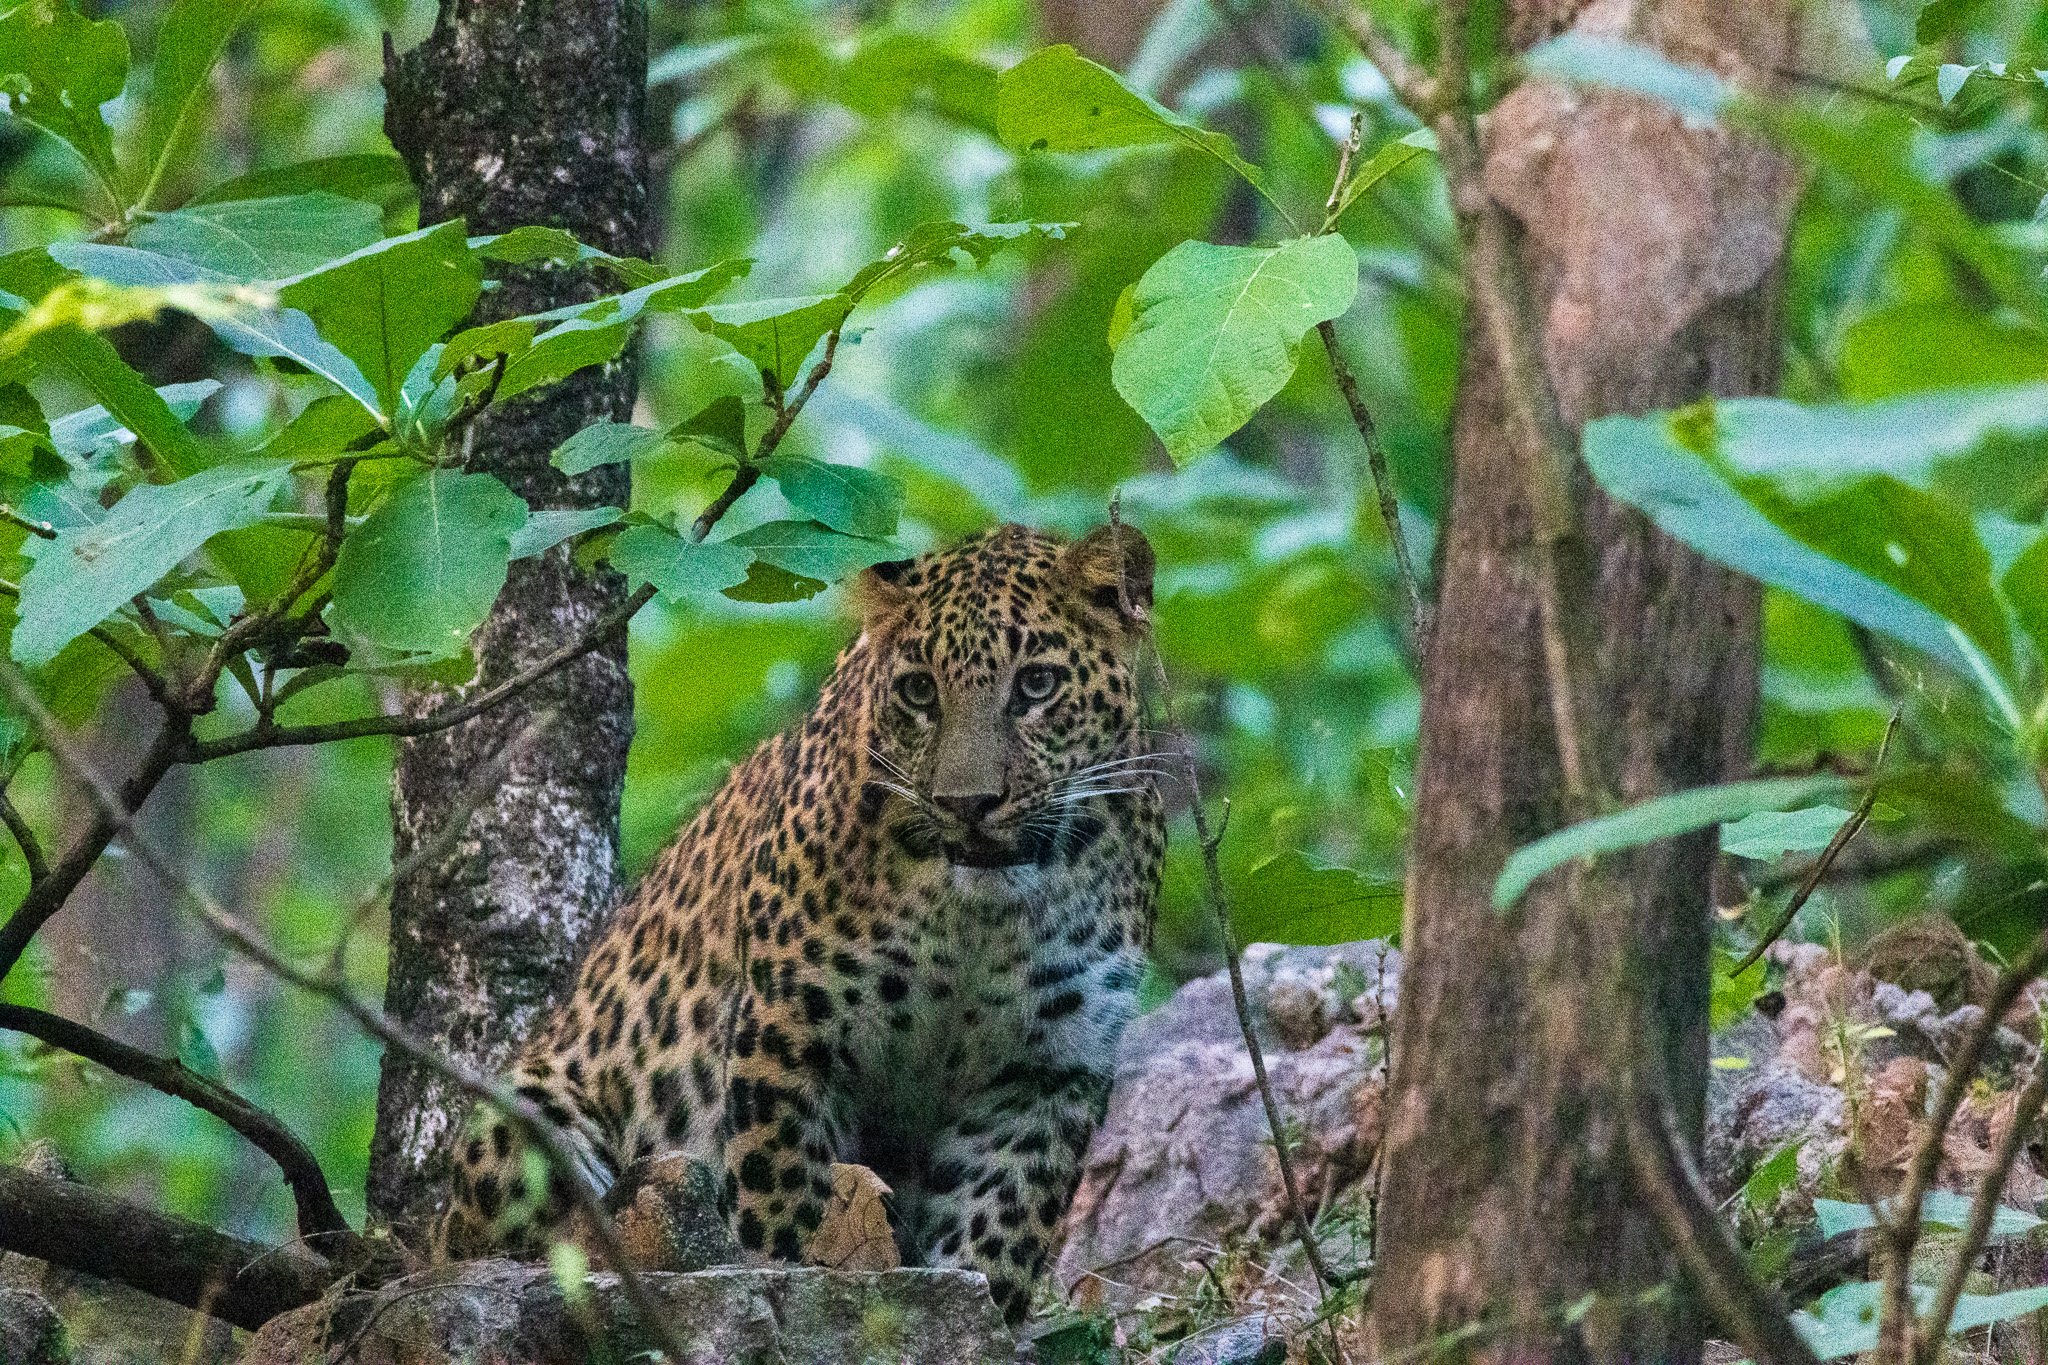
988	393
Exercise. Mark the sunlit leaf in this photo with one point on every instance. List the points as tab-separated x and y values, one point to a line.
811	550
859	502
1663	817
775	335
677	567
263	239
1215	331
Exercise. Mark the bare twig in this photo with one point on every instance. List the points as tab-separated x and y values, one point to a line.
317	1215
1219	907
28	524
532	1124
1900	1225
1743	1308
1410	82
1984	1210
1826	860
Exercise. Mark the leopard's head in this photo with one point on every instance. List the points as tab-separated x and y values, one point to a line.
1003	682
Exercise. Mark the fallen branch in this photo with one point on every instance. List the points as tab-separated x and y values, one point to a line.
69	1225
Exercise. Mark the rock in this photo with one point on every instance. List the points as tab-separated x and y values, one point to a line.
1257	1340
1184	1157
508	1313
666	1211
30	1333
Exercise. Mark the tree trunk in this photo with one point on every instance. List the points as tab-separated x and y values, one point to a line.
1651	251
515	112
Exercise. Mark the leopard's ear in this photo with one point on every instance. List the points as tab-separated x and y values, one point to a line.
879	594
1110	569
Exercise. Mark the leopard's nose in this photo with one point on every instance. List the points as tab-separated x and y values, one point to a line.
968	807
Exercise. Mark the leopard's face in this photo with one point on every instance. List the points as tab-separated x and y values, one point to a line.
1006	705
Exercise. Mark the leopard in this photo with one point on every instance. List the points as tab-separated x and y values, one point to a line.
906	933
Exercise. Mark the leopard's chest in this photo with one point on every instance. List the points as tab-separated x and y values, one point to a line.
981	990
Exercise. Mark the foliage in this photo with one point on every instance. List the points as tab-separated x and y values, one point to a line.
1038	280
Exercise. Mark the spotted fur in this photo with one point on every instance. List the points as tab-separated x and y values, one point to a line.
907	933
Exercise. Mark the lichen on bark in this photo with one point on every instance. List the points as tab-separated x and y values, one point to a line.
511	113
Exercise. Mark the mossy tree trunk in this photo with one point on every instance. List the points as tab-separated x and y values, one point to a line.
1652	252
515	112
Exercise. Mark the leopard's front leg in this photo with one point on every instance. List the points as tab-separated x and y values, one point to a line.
780	1137
1000	1178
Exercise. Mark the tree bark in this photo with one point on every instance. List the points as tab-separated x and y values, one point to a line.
515	112
1651	251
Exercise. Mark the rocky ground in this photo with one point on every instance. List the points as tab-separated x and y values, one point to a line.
1178	1247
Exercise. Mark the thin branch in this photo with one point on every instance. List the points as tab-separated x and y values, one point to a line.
533	1125
70	1225
1743	1308
1984	1210
1411	84
1901	1226
24	835
47	896
317	1214
28	524
1827	857
412	727
787	410
1219	907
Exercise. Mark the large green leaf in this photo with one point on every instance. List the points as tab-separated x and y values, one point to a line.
1938	1208
1770	834
775	335
603	443
280	333
384	306
263	239
676	567
2025	586
1056	100
810	550
92	360
897	70
87	572
1844	1321
1383	163
1663	817
190	40
1215	330
1289	899
1936	344
57	68
1640	461
421	572
859	502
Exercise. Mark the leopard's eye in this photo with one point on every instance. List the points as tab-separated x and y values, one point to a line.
1035	682
919	690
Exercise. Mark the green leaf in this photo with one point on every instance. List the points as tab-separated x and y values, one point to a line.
1215	331
1383	163
859	502
603	443
384	306
1773	1175
1663	817
1056	100
2025	586
57	68
1938	1208
1287	898
720	425
281	333
263	239
810	550
677	568
1936	344
775	335
86	573
1844	1321
1770	834
1640	461
374	177
190	40
896	70
421	572
592	333
92	360
88	433
548	527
